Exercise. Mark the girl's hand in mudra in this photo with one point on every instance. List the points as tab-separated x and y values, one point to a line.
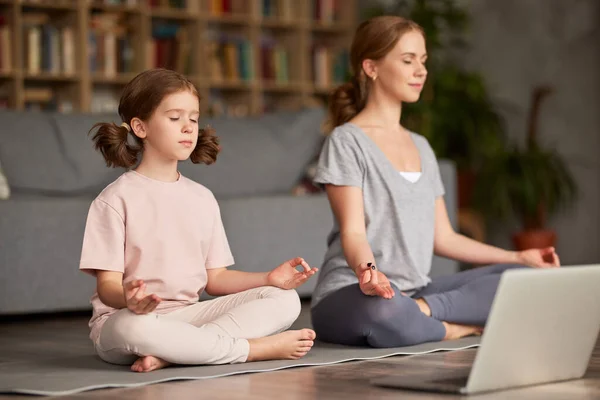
136	299
372	282
286	276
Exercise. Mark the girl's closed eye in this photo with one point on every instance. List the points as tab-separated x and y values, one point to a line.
174	118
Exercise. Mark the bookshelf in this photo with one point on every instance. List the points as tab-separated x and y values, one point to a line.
245	56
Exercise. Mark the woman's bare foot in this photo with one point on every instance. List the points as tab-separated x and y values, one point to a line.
148	363
288	345
424	307
456	331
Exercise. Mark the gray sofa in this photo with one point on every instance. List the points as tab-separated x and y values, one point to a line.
54	173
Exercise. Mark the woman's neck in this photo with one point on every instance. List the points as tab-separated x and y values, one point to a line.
382	112
160	170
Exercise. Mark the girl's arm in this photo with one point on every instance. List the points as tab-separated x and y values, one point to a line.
448	243
109	285
222	281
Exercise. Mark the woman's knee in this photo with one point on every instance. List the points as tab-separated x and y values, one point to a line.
394	323
500	268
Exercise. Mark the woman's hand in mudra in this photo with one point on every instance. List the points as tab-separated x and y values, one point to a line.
539	258
372	282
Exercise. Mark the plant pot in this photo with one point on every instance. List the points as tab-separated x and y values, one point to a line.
534	239
466	182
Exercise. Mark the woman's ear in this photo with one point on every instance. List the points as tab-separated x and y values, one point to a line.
369	68
138	127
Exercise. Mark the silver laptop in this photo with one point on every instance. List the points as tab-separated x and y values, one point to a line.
542	328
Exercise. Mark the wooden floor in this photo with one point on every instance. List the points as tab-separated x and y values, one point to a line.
51	337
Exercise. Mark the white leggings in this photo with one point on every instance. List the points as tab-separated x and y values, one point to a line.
207	332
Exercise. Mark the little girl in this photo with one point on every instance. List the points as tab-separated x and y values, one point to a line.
154	240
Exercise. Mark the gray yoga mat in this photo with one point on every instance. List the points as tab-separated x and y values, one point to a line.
68	375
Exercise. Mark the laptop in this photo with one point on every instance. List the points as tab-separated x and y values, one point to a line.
542	327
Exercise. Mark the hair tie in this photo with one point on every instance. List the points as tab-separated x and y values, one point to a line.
126	126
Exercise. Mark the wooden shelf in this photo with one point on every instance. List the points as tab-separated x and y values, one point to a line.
89	89
230	19
231	85
115	8
173	14
49	6
276	23
277	87
322	27
119	79
320	90
51	77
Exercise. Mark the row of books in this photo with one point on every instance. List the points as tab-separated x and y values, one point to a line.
5	46
229	58
47	48
282	9
326	11
45	99
170	47
330	66
110	48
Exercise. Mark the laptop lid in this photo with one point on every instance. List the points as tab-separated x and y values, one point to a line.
542	327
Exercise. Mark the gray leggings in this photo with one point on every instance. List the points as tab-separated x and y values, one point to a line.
349	317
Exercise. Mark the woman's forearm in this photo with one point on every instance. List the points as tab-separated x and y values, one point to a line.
462	248
356	250
112	294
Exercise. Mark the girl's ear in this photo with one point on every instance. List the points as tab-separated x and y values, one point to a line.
138	127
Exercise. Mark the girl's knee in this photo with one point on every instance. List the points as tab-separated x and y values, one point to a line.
129	328
288	299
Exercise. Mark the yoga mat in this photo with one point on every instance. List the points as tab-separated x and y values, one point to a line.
74	374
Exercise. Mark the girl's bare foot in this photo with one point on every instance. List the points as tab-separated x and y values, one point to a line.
456	331
288	345
148	363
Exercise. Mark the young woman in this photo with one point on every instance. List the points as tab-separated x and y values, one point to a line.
385	191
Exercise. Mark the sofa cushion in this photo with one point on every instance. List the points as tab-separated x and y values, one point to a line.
52	153
91	174
262	155
4	188
31	156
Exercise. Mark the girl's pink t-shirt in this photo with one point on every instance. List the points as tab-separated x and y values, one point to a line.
166	233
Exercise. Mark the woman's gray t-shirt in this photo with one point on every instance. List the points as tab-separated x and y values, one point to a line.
399	214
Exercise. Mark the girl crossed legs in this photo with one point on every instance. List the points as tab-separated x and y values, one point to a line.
246	326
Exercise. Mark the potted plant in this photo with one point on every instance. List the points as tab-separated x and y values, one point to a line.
530	183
